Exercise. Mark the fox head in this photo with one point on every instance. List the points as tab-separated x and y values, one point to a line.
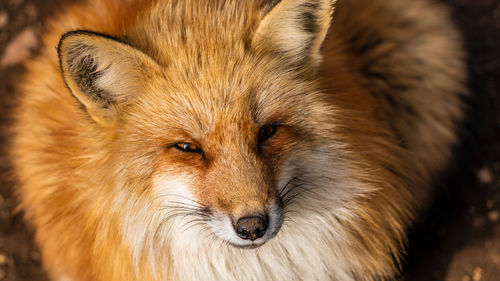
208	119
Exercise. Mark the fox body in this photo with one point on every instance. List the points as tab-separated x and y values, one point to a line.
235	140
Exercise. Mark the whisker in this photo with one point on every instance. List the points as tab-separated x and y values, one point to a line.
286	185
190	225
199	213
186	208
291	189
177	195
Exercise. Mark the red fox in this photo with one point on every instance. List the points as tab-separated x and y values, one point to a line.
235	140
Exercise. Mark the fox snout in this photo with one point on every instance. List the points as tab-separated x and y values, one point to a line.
246	226
247	229
252	227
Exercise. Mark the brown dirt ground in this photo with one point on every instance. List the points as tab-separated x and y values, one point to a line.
459	240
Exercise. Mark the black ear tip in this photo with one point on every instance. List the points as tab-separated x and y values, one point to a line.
64	38
77	34
63	51
89	33
270	4
69	34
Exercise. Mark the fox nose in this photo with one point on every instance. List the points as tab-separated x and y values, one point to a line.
251	228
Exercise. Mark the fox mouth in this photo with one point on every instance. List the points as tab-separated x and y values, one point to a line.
250	247
248	232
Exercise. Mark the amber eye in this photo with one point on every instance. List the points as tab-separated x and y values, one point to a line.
267	132
188	147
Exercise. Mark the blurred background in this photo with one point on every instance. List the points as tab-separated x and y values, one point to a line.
458	240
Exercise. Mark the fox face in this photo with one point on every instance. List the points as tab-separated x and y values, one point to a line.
208	137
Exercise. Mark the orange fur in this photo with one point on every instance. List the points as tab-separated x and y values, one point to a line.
363	125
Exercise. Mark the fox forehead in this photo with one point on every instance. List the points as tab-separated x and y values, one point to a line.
218	26
205	100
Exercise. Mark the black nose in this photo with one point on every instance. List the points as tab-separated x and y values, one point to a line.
251	228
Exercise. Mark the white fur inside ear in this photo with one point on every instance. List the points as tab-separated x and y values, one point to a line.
102	73
99	67
289	35
295	28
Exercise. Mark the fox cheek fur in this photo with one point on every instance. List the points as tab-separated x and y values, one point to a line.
181	134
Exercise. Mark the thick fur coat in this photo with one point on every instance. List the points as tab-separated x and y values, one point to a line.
155	125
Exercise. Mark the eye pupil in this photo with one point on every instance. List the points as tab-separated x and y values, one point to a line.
267	132
187	147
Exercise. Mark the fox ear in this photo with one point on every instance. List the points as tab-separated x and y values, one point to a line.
101	72
295	29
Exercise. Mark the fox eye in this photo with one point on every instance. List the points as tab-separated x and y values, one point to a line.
188	147
267	132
